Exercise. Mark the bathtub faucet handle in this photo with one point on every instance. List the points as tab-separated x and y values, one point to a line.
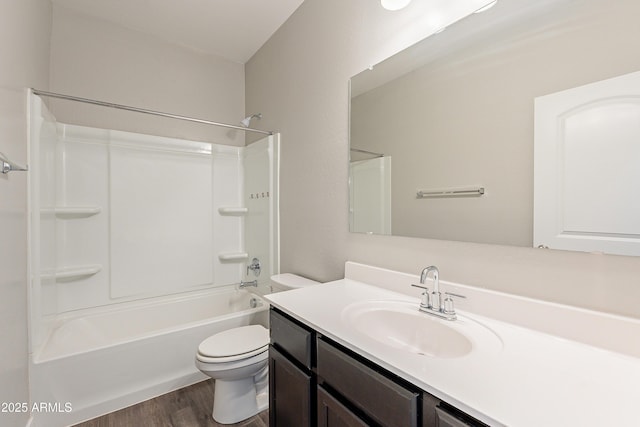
255	267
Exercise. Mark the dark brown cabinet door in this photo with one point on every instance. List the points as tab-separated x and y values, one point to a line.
332	413
290	393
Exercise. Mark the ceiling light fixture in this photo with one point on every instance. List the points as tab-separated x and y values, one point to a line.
394	4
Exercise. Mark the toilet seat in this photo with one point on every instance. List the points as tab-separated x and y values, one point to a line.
235	361
234	344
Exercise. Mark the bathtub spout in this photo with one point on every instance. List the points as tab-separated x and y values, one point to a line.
247	284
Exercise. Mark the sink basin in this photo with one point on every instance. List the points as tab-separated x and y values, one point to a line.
399	325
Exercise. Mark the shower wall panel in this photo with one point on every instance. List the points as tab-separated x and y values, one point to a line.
228	237
161	210
125	216
260	160
82	217
42	219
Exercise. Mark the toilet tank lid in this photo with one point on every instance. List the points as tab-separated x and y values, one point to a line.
292	280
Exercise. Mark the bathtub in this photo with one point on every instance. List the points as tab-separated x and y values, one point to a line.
98	361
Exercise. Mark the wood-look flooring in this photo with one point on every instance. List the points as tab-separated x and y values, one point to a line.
188	407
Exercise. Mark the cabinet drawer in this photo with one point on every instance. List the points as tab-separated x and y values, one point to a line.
383	400
291	337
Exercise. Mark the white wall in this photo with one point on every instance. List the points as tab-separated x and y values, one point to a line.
91	58
298	80
24	50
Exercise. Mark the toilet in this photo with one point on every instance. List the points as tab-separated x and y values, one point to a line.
238	361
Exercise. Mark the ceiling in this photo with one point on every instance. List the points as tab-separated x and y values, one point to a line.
232	29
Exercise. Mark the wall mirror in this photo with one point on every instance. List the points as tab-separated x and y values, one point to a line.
442	133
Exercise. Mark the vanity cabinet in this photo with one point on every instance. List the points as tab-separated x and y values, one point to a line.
315	381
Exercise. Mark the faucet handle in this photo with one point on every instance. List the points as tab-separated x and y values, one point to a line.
448	303
255	267
425	302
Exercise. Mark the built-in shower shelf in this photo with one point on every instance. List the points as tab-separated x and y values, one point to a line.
232	211
233	256
72	211
72	273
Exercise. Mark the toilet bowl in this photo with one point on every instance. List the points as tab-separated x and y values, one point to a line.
237	359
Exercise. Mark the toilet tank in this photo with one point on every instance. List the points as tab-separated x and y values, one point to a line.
288	281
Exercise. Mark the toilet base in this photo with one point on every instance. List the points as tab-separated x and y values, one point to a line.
237	400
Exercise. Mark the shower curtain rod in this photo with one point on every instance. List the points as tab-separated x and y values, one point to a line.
357	150
144	111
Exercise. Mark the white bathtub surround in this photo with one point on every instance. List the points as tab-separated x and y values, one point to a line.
146	209
554	365
125	274
104	360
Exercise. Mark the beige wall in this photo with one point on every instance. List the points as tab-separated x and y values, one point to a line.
25	26
91	58
299	81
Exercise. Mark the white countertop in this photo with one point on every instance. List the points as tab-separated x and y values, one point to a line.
531	379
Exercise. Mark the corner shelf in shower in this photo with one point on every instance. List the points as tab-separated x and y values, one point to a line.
72	211
233	256
232	211
72	273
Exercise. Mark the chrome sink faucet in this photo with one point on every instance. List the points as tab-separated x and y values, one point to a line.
432	303
436	297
